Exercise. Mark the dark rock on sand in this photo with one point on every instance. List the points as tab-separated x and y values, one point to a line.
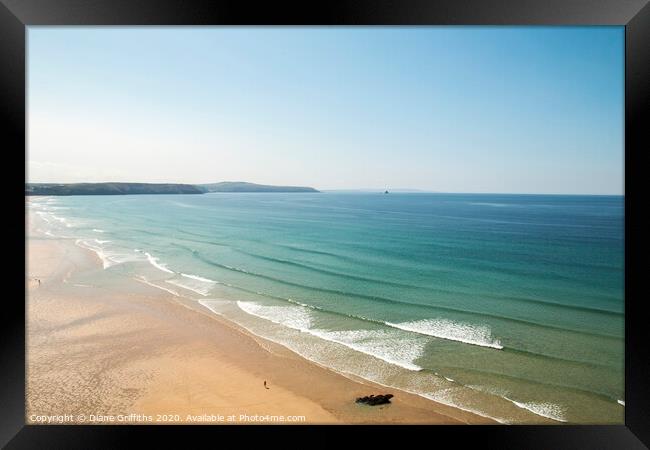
373	400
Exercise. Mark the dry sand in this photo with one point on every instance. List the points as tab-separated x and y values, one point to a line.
135	351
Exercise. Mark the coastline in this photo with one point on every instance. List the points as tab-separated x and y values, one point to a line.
133	350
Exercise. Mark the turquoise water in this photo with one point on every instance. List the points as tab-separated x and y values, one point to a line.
510	306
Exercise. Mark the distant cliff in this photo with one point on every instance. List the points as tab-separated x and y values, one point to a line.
240	186
109	189
153	188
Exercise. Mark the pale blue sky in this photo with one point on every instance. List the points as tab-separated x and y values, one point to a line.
451	109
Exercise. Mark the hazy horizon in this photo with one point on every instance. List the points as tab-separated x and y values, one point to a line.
516	110
397	190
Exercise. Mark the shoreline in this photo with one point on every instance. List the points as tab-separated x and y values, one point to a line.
135	350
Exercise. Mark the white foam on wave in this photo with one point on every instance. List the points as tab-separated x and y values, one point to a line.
154	262
120	258
302	319
106	260
209	303
195	283
294	317
142	279
109	257
198	287
382	344
548	410
238	269
66	222
542	409
443	397
63	220
620	402
198	278
97	230
378	343
467	333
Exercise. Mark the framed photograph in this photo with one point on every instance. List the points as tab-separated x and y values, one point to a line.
287	218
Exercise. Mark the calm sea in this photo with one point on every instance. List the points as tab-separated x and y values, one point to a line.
510	306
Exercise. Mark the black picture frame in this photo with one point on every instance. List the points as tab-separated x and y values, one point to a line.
16	15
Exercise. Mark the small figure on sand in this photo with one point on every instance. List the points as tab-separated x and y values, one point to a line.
265	386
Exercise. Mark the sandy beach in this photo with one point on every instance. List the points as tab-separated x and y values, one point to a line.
134	354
